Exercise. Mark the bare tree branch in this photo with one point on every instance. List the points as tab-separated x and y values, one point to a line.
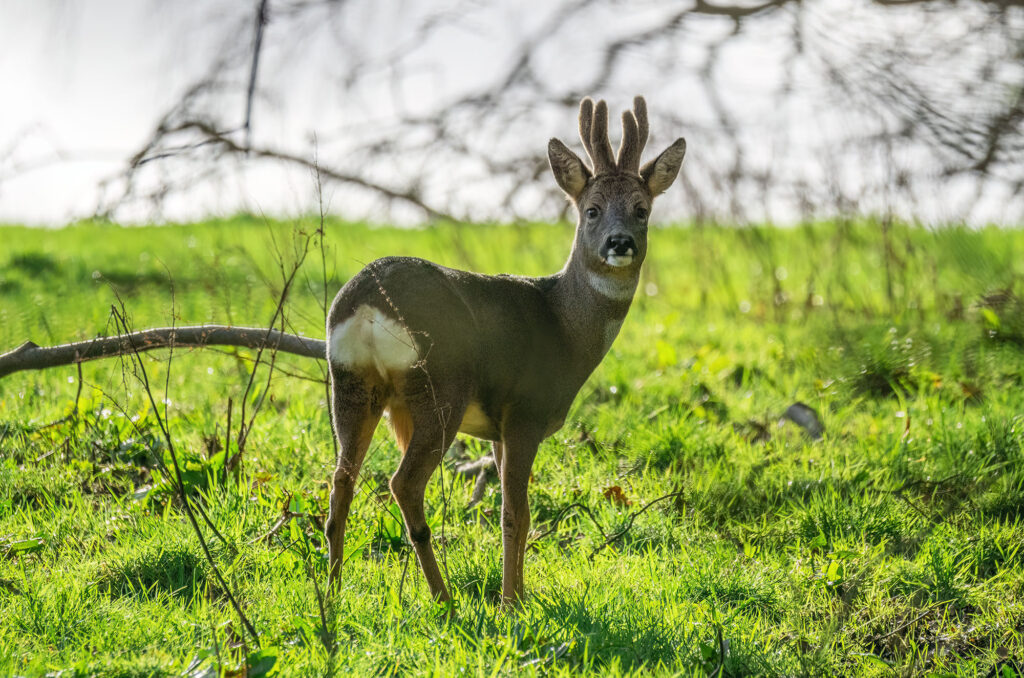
786	104
261	22
212	137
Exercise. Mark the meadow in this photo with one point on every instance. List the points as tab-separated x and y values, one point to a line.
683	524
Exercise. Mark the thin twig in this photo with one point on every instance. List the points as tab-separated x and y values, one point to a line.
632	517
246	427
321	232
563	513
121	319
227	442
241	357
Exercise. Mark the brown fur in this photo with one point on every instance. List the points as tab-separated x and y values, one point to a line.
400	423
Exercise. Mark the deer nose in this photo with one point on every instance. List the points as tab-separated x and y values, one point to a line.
620	244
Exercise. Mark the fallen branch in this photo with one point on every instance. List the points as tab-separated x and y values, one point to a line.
471	469
483	478
483	470
928	610
30	356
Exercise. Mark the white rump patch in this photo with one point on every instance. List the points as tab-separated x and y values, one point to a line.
368	338
612	287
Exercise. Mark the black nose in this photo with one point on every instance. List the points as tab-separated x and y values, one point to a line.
620	244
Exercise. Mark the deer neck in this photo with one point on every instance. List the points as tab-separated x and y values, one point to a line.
591	306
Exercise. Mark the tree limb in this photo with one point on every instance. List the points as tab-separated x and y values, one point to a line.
30	356
214	136
261	22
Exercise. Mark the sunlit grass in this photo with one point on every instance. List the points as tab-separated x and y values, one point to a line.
891	544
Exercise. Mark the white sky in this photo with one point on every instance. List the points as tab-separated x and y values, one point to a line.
83	85
84	81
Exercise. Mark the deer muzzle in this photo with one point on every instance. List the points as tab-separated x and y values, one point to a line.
619	250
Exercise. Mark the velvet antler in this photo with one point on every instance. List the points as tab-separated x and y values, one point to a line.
594	134
634	137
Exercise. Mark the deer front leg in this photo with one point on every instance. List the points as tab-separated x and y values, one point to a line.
518	451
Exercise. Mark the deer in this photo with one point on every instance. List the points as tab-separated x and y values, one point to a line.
497	357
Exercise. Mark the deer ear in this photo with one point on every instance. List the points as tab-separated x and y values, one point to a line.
659	173
570	172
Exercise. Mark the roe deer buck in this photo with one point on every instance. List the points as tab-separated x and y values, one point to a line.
497	357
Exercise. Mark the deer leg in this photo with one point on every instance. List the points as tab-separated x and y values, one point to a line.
354	415
430	439
519	450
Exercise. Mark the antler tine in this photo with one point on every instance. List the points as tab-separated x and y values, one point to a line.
629	155
640	111
601	151
586	123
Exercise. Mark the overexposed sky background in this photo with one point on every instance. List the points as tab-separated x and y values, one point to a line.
85	83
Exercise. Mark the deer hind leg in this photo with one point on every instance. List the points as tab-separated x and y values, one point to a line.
356	407
433	430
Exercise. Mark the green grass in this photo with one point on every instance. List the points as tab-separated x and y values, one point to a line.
892	546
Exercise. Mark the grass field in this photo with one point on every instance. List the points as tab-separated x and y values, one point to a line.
892	545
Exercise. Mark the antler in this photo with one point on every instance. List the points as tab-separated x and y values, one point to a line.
586	124
634	137
594	134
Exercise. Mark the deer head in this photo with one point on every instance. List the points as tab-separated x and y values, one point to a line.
614	194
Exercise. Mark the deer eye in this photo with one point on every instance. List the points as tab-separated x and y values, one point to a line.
641	213
593	212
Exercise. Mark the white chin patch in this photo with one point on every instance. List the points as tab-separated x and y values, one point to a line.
619	260
612	286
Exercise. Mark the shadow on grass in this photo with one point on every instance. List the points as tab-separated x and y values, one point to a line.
157	569
566	630
477	577
734	588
